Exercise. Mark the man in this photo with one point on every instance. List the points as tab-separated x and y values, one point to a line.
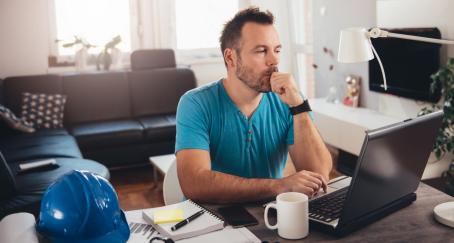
233	135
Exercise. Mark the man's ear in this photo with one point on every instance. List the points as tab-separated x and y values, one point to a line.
230	57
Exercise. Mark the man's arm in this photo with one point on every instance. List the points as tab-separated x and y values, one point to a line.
309	151
199	182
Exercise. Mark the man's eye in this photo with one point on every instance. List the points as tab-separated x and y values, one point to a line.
258	51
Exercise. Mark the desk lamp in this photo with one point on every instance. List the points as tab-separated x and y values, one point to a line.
355	46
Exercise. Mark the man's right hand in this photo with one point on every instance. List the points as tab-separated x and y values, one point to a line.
304	181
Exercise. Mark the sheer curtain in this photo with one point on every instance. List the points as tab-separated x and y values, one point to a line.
300	19
155	24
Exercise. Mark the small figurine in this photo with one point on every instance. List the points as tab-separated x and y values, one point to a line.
353	89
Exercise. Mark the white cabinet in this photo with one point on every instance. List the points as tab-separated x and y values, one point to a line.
343	127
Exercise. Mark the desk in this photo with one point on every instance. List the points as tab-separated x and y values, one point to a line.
414	223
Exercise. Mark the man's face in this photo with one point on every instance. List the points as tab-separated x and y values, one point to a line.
258	56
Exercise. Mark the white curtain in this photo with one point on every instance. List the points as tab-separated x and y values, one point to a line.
154	24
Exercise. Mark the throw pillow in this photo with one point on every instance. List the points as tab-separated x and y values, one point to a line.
43	110
14	122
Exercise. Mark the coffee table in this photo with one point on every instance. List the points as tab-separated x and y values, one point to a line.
162	164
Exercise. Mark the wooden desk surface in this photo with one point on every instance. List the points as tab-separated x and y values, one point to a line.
414	223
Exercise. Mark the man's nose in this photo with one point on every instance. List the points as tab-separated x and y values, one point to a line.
272	59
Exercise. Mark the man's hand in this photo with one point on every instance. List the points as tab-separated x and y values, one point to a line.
284	85
304	181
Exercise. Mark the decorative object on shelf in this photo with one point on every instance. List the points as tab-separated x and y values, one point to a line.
81	55
353	88
110	55
333	94
444	80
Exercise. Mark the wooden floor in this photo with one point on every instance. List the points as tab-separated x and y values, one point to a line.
136	189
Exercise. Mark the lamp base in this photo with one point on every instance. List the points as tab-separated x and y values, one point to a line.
444	213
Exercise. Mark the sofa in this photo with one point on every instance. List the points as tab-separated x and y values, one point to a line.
111	120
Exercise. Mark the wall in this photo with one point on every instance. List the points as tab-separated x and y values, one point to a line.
23	37
329	17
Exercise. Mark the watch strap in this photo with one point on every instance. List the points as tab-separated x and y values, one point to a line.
304	107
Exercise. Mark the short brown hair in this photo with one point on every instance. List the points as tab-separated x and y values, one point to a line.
231	33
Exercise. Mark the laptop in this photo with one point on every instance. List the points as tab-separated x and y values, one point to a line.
387	174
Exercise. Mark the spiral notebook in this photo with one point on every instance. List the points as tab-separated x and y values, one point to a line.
206	223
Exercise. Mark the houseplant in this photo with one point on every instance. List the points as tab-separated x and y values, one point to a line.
443	80
104	59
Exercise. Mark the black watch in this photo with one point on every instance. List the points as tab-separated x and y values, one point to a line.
304	107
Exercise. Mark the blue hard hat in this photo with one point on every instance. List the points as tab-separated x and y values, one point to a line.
82	207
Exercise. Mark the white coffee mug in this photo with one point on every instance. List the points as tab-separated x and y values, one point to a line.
292	215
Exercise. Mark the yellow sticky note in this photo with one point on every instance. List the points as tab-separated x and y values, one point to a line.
168	216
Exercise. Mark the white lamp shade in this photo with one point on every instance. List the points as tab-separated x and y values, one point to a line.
354	46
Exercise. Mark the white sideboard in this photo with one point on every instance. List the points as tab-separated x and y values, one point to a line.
343	127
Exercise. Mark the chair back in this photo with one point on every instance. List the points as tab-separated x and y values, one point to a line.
171	186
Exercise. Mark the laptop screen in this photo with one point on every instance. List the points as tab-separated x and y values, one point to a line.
390	164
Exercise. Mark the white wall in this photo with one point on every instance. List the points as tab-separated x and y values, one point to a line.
23	37
329	17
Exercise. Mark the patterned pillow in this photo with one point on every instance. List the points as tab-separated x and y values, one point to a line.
43	110
14	122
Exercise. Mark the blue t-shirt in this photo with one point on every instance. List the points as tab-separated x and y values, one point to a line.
252	148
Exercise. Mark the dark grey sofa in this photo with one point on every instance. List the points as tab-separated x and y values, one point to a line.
115	118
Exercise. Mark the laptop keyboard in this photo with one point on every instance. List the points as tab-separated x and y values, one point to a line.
329	207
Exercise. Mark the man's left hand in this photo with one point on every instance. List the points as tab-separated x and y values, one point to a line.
284	85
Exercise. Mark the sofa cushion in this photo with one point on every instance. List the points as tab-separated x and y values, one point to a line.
107	133
13	87
159	128
21	148
155	92
43	110
152	58
96	97
15	122
30	187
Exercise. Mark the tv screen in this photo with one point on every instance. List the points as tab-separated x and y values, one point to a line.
408	64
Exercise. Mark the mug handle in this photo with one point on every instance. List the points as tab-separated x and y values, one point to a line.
265	215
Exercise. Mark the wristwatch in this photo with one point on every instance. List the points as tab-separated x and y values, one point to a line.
304	107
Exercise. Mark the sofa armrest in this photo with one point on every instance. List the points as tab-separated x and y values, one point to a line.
7	181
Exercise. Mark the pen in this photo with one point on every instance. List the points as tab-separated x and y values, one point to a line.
186	221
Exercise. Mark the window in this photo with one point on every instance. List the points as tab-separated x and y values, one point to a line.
194	32
95	21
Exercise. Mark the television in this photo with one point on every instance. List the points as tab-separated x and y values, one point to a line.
408	64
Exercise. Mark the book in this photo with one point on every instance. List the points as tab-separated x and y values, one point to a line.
18	227
206	223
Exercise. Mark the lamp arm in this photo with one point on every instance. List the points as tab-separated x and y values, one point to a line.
377	33
381	65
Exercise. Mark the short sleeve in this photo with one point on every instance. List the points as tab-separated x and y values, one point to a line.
191	125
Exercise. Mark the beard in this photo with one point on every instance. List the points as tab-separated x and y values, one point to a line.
259	82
